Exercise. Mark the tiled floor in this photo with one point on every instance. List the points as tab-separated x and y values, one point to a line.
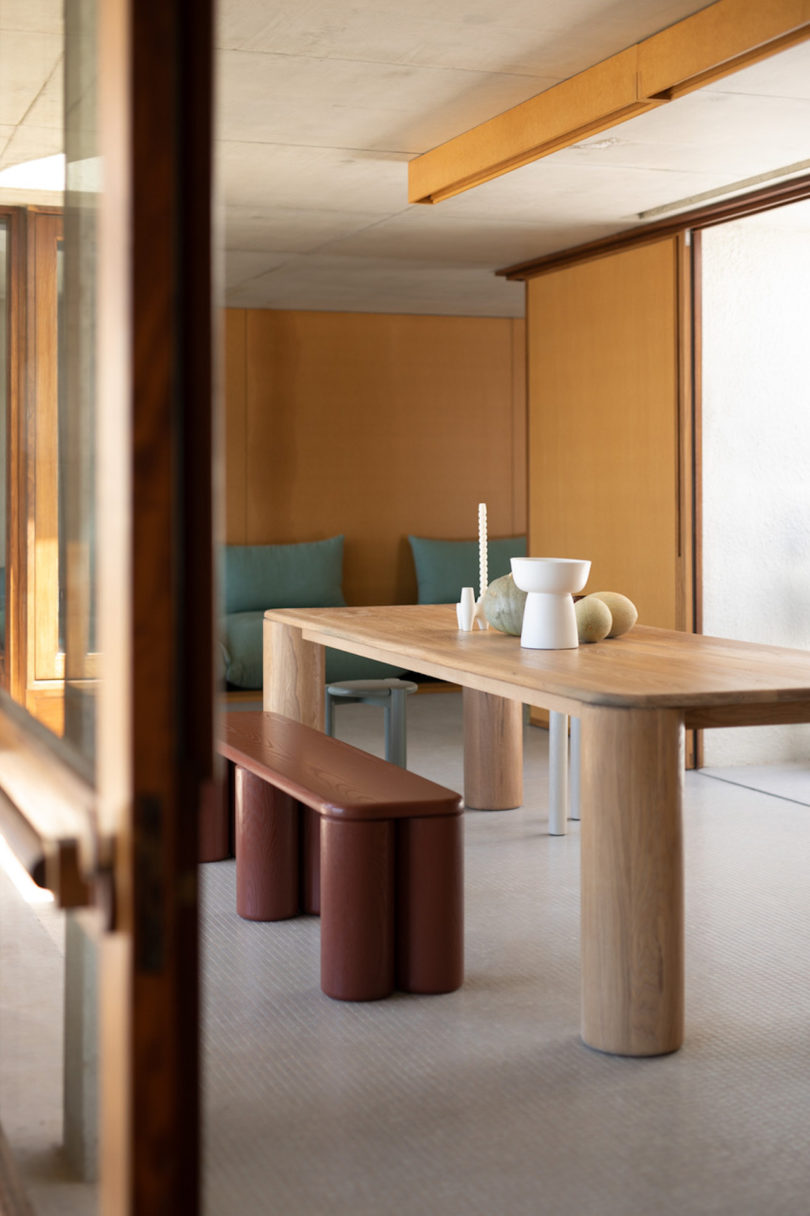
485	1100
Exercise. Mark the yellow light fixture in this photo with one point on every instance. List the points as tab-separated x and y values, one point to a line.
712	43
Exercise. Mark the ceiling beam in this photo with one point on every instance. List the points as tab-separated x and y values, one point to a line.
711	44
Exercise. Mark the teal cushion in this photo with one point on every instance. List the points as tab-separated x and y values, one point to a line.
307	575
443	567
241	647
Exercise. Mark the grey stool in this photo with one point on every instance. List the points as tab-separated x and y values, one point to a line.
390	694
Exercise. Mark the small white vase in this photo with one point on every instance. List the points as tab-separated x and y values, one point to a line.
465	609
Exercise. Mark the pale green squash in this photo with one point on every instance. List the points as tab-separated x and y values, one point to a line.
503	605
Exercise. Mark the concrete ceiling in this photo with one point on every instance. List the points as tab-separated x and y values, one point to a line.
321	103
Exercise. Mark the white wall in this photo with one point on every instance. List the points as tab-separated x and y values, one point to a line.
756	453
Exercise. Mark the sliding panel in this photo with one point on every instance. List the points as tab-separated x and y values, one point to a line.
609	425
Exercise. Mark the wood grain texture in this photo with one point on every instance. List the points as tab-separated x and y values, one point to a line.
235	428
646	668
604	420
716	41
44	660
294	675
335	779
596	98
423	417
430	904
703	47
357	910
267	834
632	881
493	751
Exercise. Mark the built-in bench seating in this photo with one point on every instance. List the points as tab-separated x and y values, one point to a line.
376	850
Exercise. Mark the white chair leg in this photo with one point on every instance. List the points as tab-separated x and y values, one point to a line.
557	773
573	775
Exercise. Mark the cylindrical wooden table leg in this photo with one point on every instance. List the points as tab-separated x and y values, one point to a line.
632	880
293	674
357	909
266	850
493	751
310	860
430	904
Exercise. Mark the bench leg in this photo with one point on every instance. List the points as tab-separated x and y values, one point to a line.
430	904
557	773
310	860
214	842
266	850
357	909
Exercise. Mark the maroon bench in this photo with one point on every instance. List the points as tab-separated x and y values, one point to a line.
376	850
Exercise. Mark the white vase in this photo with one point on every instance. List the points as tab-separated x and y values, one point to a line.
549	620
465	609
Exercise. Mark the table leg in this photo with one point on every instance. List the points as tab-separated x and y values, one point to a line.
493	751
294	676
573	771
557	773
632	880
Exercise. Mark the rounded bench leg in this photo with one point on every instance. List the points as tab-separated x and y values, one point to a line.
310	860
266	849
214	840
357	909
430	904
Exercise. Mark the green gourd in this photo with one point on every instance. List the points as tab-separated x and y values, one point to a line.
503	605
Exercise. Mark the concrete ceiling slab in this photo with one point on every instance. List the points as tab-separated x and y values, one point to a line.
293	230
323	102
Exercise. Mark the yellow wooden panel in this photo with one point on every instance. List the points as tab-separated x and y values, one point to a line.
603	343
718	40
235	428
378	426
709	44
584	104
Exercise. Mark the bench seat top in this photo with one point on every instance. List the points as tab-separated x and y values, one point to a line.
332	777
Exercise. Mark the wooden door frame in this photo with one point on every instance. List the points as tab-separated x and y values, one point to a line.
156	743
133	835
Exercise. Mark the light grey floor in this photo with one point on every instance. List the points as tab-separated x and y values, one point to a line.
483	1101
486	1101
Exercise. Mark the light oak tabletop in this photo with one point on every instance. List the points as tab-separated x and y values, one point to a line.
646	668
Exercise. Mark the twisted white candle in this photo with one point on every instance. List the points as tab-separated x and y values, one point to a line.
482	548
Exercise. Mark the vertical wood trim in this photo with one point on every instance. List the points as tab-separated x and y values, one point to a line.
43	456
155	70
16	573
696	370
685	486
685	594
115	757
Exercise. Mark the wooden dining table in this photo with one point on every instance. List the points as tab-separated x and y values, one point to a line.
635	697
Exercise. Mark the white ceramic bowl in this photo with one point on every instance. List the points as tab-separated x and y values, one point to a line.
552	575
